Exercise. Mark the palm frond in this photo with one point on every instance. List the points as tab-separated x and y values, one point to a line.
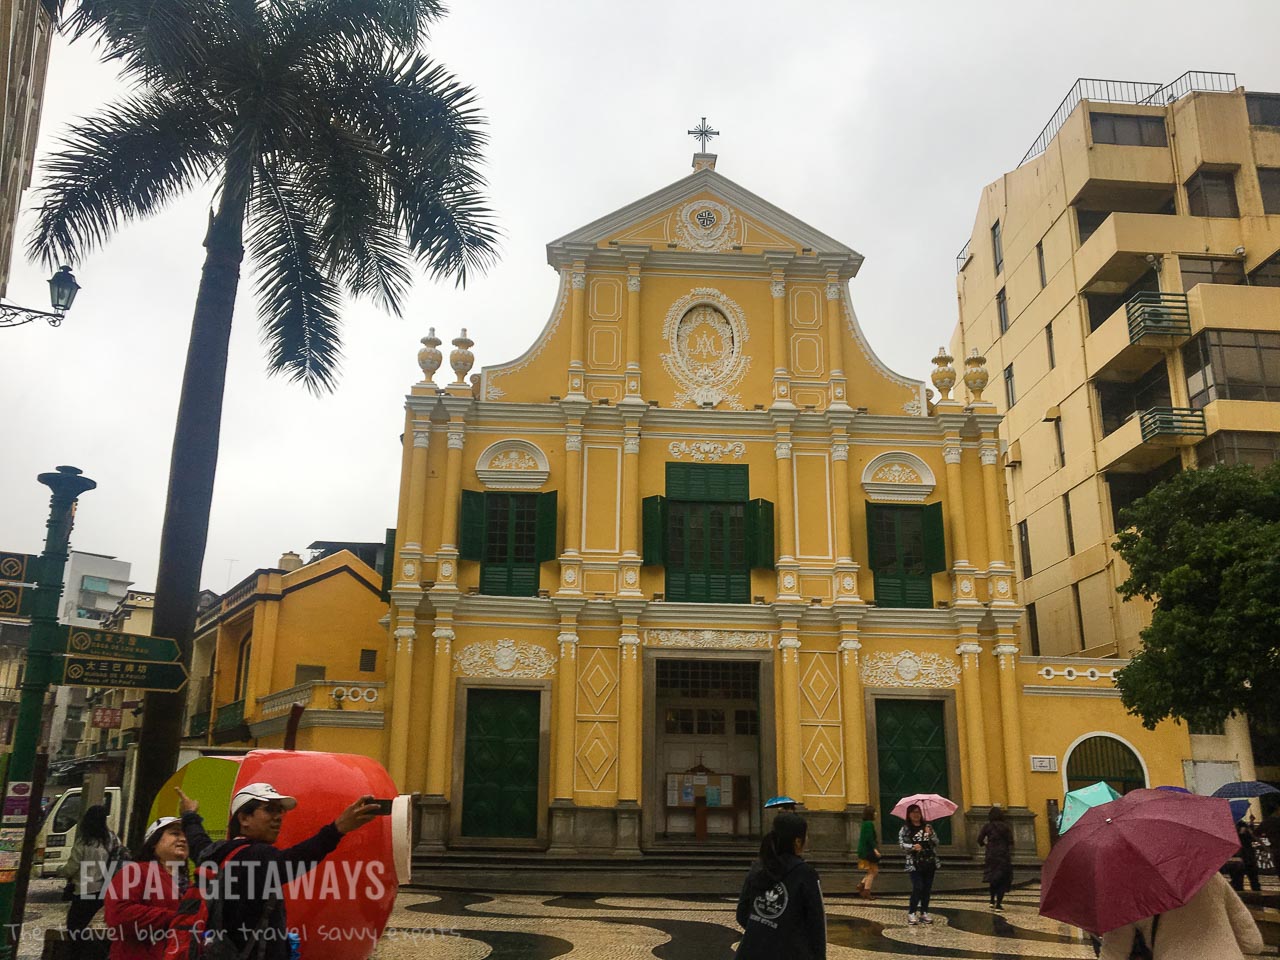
125	163
341	29
298	302
169	38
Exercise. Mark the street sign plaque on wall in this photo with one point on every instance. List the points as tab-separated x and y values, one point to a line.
18	567
16	600
133	674
82	642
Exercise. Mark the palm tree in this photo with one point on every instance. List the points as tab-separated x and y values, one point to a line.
340	154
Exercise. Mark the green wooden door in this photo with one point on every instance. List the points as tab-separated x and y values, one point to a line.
500	773
911	746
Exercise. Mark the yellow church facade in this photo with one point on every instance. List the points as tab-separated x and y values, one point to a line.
699	546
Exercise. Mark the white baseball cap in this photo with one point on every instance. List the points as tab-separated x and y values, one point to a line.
263	792
157	826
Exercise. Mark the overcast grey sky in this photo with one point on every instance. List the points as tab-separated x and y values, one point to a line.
877	122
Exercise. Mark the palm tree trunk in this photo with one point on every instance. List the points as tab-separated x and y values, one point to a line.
191	472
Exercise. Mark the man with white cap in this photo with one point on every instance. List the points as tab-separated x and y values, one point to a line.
253	871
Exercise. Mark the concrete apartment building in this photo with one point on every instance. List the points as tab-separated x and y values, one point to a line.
26	28
1123	283
132	614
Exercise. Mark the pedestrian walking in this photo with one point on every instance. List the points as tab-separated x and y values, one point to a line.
94	856
249	863
780	909
920	842
1245	862
868	852
141	901
996	839
1212	925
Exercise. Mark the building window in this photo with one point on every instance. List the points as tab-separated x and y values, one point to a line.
511	534
746	723
708	679
1198	270
1239	446
1075	599
1125	488
1102	305
1267	273
695	720
1232	365
242	665
1010	395
1062	447
997	246
1117	402
1088	221
1212	193
1048	343
1033	630
906	547
1044	279
307	673
707	534
95	584
1002	310
368	660
1071	530
1024	549
1269	181
1128	131
1264	109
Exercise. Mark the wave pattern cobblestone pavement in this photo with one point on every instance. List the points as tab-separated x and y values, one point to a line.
461	926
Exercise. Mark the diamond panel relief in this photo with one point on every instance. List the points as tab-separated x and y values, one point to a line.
597	681
597	756
818	686
823	766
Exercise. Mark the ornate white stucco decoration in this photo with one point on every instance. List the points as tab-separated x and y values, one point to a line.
912	408
898	477
505	658
709	639
707	450
513	465
707	335
908	669
707	227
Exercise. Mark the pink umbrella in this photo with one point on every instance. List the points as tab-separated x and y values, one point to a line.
932	806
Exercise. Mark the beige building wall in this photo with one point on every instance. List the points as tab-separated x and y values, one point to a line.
1121	261
26	27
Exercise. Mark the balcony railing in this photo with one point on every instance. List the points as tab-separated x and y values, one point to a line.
963	257
323	695
198	726
230	715
1158	314
1172	422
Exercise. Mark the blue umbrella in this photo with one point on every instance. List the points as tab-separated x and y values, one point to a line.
1174	789
1239	809
1244	789
782	801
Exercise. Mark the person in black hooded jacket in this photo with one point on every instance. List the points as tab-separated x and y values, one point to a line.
780	910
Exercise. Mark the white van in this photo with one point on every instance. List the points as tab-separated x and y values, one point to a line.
58	832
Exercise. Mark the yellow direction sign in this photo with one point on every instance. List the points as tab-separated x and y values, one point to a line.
16	600
133	674
18	567
82	642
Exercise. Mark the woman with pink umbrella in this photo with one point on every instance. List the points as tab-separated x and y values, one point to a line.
919	841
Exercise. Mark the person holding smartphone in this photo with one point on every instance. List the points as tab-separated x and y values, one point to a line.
252	870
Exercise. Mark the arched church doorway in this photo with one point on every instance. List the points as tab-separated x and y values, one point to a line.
1105	758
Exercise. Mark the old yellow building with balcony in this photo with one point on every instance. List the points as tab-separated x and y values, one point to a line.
1124	284
297	633
698	546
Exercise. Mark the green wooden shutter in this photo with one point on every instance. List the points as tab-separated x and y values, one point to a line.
935	549
890	590
708	481
388	564
760	548
654	514
545	537
471	530
877	557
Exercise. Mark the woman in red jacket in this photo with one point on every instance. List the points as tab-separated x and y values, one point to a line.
142	898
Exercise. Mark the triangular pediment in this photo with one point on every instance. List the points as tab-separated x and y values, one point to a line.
705	212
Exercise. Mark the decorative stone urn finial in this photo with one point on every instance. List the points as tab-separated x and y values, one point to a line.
975	374
944	374
461	358
429	357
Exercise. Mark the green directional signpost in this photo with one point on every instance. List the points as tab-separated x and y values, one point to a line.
133	674
17	577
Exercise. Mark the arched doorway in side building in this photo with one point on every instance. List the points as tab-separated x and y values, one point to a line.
1103	756
709	760
915	750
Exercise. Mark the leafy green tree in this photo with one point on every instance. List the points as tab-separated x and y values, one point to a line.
341	155
1204	546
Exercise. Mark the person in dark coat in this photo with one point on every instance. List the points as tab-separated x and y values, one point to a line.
253	868
780	910
996	837
918	839
1248	860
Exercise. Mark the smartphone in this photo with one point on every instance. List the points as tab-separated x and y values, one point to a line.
384	807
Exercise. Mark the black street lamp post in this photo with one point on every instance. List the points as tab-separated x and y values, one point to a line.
62	293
